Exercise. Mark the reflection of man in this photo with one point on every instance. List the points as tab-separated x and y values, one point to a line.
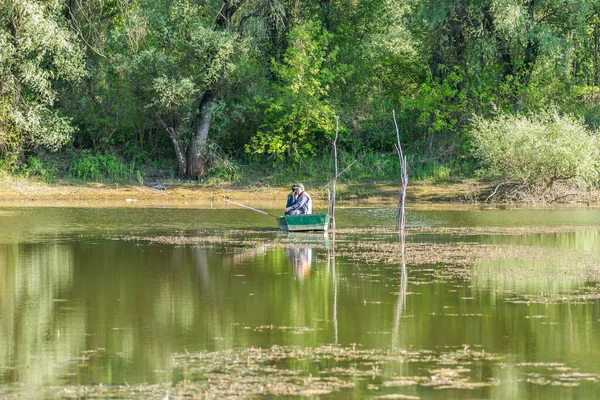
301	202
301	259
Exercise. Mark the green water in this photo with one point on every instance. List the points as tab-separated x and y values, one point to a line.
82	305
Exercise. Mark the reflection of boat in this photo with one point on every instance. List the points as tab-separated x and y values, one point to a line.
306	239
299	223
318	238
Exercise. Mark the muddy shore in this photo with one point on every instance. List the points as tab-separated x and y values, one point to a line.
192	195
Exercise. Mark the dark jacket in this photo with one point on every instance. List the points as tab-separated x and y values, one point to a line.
291	199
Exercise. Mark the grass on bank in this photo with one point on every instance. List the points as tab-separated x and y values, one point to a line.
361	175
366	169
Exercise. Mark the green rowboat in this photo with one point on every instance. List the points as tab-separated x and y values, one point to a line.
300	223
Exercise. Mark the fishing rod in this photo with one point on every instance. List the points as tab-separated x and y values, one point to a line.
338	175
250	208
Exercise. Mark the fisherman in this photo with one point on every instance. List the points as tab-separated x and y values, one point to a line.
292	196
302	202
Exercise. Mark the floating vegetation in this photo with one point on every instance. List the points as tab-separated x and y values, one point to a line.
297	330
518	270
234	238
468	230
296	371
555	374
415	253
290	370
555	298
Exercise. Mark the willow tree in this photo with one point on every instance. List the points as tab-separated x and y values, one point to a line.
37	52
179	56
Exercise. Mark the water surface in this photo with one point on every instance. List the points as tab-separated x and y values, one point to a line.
476	309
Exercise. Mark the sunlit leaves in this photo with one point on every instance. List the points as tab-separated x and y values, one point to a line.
36	51
538	150
298	118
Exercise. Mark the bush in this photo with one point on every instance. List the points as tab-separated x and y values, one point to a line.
220	167
35	167
537	151
96	167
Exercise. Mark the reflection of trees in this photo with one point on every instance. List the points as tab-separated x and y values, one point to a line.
546	265
38	331
581	240
536	274
144	302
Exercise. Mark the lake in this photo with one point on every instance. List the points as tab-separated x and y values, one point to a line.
474	302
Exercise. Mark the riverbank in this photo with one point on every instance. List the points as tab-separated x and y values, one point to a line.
192	195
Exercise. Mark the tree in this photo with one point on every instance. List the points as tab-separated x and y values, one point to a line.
37	52
298	117
185	56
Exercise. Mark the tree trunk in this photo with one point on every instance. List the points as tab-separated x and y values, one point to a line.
197	155
179	152
178	145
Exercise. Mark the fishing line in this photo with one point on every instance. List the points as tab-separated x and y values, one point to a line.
196	219
250	208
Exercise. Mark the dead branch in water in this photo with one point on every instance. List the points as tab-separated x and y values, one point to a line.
400	218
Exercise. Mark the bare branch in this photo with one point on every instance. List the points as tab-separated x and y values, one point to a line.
400	218
495	191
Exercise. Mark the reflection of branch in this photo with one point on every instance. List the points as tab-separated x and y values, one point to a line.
401	304
335	287
570	318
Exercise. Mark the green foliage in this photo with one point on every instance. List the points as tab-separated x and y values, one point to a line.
298	117
37	53
11	140
587	104
98	167
138	177
34	167
435	114
220	167
278	73
356	168
439	171
537	150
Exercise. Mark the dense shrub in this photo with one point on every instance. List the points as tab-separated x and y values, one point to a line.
537	150
96	167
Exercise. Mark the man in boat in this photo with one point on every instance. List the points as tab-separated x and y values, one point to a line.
292	196
302	202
